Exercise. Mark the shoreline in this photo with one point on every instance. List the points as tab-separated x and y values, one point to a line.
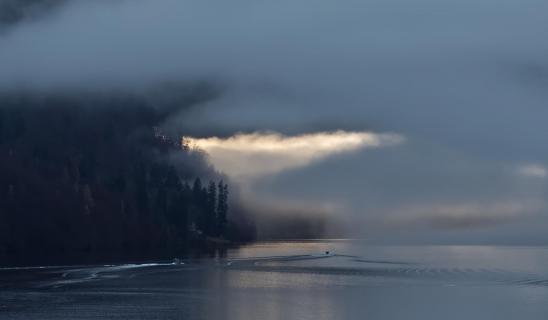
195	249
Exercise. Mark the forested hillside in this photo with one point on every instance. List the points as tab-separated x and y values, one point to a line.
98	173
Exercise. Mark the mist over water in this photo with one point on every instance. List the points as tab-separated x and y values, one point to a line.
462	81
417	126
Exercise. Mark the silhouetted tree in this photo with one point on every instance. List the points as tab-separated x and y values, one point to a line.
222	208
210	210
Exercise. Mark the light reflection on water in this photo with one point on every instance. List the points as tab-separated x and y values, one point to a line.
389	282
524	259
297	280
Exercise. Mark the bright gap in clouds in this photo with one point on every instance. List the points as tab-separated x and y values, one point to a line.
257	154
533	170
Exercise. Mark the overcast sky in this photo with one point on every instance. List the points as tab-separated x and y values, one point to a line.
460	87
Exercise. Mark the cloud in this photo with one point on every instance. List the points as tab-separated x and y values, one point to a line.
460	216
15	11
533	170
470	99
257	154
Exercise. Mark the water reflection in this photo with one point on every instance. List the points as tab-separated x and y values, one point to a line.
294	280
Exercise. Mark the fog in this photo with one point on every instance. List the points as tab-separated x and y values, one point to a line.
464	82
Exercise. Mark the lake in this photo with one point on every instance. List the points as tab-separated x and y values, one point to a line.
292	280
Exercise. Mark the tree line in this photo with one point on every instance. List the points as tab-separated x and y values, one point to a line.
82	174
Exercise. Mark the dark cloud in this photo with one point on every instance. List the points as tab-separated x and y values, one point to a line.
13	12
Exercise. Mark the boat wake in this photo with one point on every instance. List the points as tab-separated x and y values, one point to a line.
318	264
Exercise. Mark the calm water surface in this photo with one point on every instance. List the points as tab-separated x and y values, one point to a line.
293	280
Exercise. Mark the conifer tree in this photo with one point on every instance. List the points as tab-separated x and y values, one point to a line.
222	208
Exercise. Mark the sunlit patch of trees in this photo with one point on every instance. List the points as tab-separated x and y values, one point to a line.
94	175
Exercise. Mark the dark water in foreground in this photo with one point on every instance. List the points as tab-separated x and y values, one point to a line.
293	280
